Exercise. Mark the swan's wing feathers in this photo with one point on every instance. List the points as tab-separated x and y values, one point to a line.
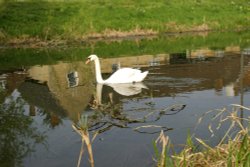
124	75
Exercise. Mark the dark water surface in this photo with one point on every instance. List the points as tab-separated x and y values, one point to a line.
44	93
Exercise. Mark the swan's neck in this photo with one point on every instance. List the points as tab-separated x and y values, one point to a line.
98	74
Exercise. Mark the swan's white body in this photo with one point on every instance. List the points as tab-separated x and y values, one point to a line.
123	75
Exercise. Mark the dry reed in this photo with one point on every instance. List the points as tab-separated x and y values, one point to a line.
232	150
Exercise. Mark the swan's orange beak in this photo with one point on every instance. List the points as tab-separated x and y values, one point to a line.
88	60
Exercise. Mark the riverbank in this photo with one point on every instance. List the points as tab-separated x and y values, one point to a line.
54	22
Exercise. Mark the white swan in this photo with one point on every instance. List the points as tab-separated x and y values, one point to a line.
123	75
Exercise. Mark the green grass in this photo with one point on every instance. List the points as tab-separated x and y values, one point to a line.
48	20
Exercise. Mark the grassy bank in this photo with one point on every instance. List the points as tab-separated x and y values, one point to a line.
33	21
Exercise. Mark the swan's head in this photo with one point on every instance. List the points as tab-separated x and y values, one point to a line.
91	58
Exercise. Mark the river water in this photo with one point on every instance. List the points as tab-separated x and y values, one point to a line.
51	105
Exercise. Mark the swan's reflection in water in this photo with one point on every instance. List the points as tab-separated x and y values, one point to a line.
103	115
128	89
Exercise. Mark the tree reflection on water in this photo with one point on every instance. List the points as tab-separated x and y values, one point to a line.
18	136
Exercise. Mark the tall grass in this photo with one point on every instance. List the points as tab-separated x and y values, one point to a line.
232	150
